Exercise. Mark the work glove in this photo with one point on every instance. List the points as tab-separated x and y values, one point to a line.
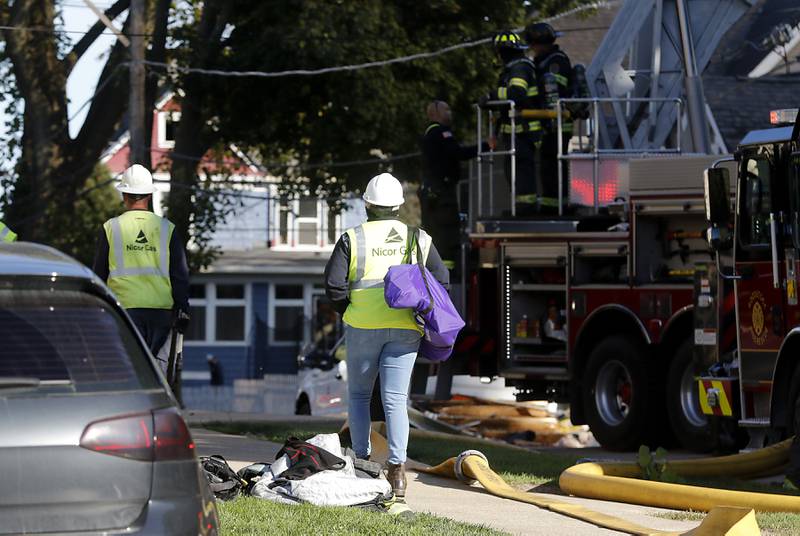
181	321
483	99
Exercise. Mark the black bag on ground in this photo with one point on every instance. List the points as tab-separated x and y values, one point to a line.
251	474
306	459
223	481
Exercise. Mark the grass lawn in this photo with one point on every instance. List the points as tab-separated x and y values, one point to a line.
249	515
517	466
778	523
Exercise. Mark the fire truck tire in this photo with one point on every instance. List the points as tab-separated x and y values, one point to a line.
793	404
617	396
689	425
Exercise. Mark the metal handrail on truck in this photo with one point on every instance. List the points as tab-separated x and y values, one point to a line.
594	150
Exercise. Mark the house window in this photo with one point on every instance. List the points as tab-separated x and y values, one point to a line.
283	223
219	313
333	232
288	314
167	128
230	313
307	221
197	313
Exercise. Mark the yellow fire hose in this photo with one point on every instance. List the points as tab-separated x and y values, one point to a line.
731	513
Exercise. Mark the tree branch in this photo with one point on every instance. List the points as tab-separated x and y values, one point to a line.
91	36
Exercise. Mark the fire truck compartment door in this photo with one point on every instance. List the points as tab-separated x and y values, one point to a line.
535	255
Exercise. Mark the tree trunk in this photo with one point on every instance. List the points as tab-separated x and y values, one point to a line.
45	136
192	138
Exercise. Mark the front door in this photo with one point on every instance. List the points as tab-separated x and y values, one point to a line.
759	294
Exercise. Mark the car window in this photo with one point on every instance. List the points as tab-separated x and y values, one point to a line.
69	341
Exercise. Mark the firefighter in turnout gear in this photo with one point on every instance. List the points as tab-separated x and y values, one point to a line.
6	234
143	261
518	83
380	340
441	171
554	73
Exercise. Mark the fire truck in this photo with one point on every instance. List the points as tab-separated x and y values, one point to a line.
662	316
595	308
756	383
618	306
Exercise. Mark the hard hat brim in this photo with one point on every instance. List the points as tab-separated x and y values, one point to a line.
136	191
396	202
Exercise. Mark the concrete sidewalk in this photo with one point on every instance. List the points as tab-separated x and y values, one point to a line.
452	499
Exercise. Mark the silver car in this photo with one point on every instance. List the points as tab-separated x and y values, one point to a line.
91	439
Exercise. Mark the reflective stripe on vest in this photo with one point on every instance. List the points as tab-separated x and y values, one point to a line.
374	247
6	234
138	260
519	128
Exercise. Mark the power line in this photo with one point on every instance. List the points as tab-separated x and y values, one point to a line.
45	29
357	66
267	166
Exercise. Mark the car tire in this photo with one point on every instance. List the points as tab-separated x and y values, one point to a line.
617	395
303	406
689	425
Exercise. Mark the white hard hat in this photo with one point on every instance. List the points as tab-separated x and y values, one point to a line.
136	180
384	190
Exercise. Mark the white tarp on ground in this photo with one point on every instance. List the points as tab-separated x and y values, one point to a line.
326	488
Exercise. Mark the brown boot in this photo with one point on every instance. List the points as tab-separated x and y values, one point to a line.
396	475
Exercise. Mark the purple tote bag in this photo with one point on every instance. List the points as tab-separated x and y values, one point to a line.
412	286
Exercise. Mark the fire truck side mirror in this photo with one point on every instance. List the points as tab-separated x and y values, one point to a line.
717	193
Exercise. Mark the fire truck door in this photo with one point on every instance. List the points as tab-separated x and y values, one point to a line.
791	246
761	305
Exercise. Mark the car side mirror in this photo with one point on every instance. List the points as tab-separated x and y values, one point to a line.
717	196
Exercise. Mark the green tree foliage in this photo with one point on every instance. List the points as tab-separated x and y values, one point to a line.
97	201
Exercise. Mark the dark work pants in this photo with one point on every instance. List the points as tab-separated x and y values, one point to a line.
440	219
154	325
550	165
528	172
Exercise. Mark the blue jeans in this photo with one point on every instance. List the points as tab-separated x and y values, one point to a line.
391	352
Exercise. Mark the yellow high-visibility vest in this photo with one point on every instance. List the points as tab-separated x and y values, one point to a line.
6	234
138	259
374	247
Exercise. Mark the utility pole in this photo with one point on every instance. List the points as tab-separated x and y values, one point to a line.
136	111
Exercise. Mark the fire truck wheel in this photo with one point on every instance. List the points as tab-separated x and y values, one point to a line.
688	423
616	397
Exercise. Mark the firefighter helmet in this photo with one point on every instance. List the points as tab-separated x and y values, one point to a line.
508	40
540	33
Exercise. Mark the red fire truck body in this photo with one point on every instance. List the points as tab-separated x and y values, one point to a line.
757	386
598	311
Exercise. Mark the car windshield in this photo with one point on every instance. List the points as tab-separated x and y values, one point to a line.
68	340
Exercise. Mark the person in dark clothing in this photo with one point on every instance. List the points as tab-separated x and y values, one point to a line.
143	262
518	83
554	70
441	172
215	370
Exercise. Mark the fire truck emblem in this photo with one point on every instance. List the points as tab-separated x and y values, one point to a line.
758	306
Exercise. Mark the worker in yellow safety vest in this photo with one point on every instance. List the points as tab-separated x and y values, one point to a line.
380	340
143	261
6	234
